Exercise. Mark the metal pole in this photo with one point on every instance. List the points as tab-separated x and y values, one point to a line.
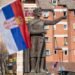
69	34
1	65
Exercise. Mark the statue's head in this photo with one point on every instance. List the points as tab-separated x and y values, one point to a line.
37	12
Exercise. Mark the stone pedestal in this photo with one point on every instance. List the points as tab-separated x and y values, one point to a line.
41	73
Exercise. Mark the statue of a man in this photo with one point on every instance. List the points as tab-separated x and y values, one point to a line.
37	32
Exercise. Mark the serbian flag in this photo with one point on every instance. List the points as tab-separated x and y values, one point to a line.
13	28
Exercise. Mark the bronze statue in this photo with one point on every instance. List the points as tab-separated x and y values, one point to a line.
37	32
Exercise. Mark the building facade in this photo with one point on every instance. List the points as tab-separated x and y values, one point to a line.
60	37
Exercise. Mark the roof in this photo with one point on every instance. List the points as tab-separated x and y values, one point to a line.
69	3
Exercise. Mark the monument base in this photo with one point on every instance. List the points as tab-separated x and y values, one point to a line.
41	73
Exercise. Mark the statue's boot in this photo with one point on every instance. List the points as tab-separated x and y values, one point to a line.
42	70
43	65
32	70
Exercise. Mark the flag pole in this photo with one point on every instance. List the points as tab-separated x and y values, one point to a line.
20	62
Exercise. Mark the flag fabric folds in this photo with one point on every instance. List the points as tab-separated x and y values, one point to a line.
55	64
13	27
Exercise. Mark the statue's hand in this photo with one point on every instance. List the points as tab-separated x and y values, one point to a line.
44	32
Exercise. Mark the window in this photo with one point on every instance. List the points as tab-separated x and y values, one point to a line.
55	52
54	2
47	52
55	41
65	27
65	13
29	1
65	41
66	52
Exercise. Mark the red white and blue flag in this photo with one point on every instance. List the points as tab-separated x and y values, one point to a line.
13	27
